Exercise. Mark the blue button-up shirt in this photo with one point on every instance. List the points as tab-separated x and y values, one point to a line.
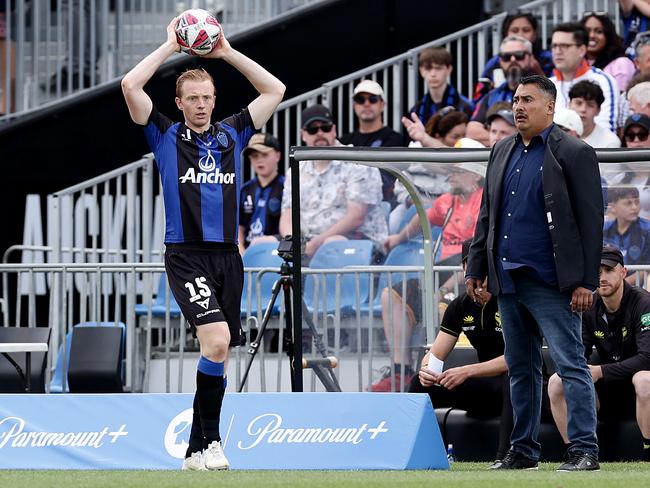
523	240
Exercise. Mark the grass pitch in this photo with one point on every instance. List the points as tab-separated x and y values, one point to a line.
465	475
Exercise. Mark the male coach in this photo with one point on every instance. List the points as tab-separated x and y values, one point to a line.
538	240
200	170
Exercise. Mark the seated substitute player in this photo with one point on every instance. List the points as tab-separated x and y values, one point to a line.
200	170
618	325
482	389
261	197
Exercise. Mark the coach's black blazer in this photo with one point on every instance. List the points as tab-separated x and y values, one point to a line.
574	206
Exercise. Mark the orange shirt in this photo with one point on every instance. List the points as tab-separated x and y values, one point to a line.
462	223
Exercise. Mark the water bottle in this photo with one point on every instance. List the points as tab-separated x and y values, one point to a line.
450	453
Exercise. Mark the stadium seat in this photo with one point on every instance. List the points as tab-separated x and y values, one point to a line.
262	255
410	253
10	381
158	307
56	383
338	254
96	359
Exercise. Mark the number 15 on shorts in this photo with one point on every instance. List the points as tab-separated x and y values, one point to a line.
203	289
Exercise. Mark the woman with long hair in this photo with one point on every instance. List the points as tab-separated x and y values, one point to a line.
605	48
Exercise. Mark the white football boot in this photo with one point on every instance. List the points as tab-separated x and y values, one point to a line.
194	462
214	457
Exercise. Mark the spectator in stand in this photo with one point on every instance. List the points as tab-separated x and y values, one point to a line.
642	53
635	15
261	197
516	60
337	200
500	122
586	97
569	48
635	135
522	24
635	132
569	121
482	389
639	98
618	326
369	101
436	65
605	48
456	212
627	231
444	129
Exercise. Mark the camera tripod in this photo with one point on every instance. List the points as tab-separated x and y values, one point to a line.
322	367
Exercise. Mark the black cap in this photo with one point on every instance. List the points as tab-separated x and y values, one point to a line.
611	256
464	253
638	119
504	113
314	113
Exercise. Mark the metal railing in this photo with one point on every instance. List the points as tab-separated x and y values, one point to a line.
99	292
99	40
399	77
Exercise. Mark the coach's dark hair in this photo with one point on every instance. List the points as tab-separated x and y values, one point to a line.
580	36
543	83
587	90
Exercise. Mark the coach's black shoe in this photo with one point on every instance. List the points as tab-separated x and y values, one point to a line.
580	461
515	460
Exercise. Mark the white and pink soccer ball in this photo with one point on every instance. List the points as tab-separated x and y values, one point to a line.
197	32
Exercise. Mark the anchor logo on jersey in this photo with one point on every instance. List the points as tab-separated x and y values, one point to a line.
222	138
207	163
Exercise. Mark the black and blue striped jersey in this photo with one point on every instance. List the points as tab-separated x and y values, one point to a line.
201	176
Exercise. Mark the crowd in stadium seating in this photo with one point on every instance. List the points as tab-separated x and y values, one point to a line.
603	84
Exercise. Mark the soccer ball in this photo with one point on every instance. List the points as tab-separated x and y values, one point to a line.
197	32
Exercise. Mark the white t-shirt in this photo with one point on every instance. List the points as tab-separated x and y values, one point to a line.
608	116
601	137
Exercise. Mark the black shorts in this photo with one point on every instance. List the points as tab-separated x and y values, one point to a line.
617	400
207	284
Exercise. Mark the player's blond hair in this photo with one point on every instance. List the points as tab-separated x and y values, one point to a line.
198	74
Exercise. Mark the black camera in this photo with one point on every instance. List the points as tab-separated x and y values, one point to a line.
285	248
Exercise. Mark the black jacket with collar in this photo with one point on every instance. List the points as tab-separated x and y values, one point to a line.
574	208
622	341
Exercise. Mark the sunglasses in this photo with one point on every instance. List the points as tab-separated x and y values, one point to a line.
313	130
518	55
361	99
595	13
446	111
642	136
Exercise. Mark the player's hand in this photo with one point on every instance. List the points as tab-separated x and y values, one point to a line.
475	290
171	34
453	377
414	127
581	299
596	372
222	49
427	377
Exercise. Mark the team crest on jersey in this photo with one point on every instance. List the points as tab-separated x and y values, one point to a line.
207	163
468	319
222	138
599	334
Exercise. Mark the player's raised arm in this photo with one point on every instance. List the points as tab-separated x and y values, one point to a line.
271	89
133	82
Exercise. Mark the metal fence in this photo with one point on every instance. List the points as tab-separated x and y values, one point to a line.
99	40
399	77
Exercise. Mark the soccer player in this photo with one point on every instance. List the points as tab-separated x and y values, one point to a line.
200	169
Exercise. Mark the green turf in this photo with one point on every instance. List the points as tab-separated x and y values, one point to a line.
466	475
